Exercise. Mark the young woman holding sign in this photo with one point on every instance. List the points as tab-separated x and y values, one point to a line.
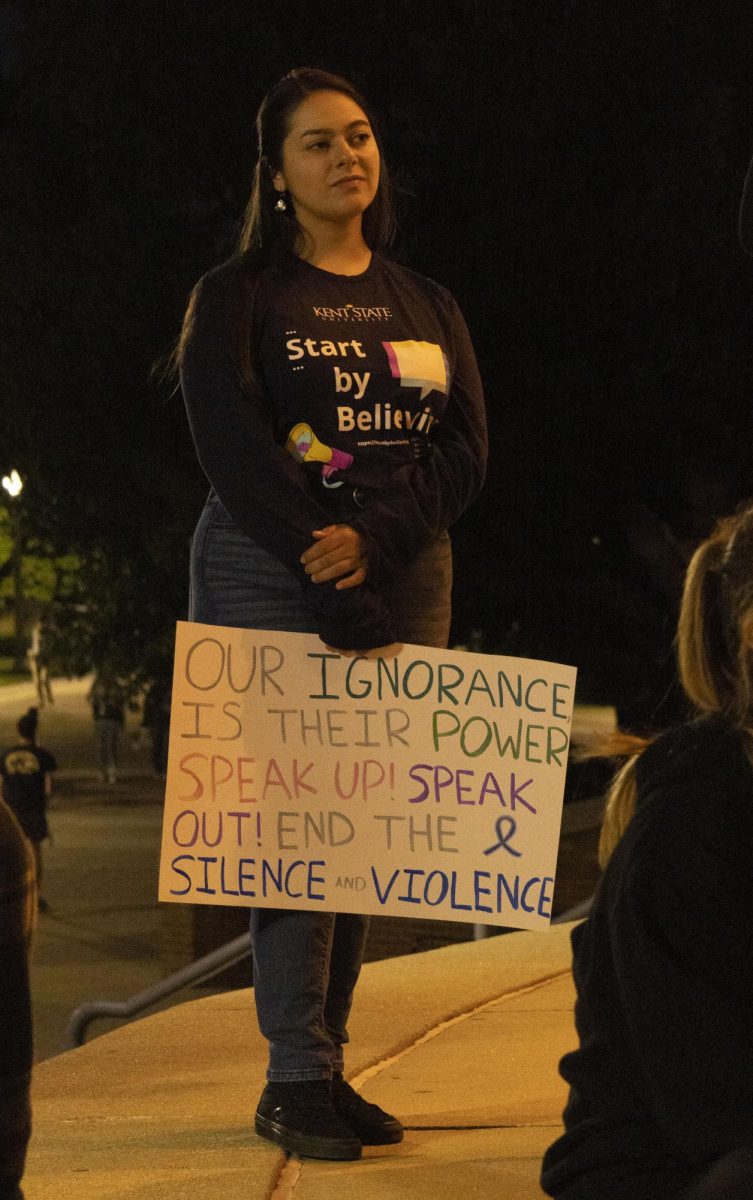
661	1088
337	412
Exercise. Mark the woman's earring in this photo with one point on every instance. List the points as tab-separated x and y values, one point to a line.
281	206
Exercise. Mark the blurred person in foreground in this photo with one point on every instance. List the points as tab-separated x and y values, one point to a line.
17	907
26	779
661	1086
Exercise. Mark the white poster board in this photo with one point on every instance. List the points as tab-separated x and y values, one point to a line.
421	783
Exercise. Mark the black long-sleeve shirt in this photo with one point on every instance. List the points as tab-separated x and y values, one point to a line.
662	1084
367	408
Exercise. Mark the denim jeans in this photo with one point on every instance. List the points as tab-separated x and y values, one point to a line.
306	964
108	742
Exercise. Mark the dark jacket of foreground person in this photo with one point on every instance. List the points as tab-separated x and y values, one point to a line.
17	906
661	1088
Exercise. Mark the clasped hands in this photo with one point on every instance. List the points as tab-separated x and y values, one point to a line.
338	553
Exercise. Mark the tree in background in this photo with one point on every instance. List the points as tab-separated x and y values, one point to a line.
570	171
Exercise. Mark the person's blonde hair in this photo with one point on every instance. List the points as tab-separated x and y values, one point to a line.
713	653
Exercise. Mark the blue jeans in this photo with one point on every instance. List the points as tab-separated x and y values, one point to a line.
306	964
108	741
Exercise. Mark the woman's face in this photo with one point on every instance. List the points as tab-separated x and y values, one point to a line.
330	160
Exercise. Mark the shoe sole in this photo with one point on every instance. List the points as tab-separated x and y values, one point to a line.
338	1149
389	1136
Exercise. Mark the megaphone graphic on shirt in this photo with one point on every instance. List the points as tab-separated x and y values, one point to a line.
305	446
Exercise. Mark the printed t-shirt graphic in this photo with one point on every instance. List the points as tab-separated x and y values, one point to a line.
305	446
418	364
23	769
21	762
414	364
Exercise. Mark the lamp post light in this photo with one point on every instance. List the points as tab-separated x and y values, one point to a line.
13	485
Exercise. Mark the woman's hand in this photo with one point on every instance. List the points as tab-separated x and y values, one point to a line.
338	553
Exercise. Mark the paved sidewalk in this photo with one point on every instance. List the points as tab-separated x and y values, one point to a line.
100	939
462	1043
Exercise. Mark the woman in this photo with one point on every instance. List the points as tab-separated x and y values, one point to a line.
337	412
661	1087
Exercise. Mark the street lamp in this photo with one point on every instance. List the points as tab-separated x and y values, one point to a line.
13	485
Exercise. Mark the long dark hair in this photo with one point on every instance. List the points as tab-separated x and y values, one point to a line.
264	226
266	232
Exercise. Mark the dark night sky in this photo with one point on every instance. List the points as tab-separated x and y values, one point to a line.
570	170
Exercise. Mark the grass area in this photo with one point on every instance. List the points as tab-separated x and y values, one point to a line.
8	675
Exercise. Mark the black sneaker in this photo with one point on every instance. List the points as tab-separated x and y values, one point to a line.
301	1118
373	1125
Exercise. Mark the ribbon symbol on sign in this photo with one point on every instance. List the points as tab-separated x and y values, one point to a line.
505	830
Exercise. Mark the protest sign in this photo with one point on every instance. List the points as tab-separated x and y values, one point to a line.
415	782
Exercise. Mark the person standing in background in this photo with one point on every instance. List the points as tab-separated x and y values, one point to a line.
26	774
156	720
39	664
108	710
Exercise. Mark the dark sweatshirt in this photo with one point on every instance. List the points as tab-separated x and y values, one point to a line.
662	1084
367	409
17	907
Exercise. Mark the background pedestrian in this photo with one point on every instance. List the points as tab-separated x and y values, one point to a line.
108	710
26	773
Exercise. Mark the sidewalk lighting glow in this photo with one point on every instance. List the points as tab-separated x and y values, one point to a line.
13	483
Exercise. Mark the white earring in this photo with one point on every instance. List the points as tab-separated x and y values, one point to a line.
281	206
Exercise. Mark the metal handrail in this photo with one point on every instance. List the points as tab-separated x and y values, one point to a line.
204	969
576	913
196	972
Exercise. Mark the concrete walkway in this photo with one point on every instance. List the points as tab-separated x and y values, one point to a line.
100	939
462	1043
